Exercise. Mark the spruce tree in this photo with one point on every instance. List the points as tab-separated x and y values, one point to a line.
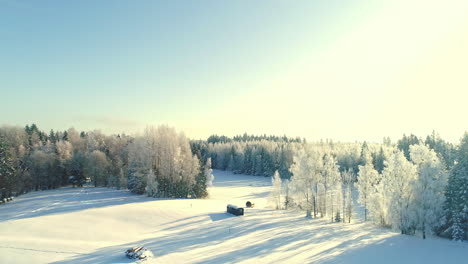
7	170
457	195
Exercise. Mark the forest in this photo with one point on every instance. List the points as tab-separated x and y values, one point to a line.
160	159
415	185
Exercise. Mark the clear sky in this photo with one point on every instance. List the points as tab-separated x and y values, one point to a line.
345	70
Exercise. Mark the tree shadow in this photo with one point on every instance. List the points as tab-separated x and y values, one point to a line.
66	200
211	234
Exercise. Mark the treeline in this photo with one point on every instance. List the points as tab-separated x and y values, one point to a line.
263	158
31	159
415	185
247	138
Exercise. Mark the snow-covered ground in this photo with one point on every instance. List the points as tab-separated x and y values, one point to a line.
96	225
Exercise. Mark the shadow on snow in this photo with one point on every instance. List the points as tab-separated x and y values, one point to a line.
65	200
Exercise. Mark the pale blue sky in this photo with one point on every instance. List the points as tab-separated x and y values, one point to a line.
347	70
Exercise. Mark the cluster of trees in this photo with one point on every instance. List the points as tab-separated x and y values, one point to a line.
161	164
422	190
259	158
408	195
43	161
317	185
31	159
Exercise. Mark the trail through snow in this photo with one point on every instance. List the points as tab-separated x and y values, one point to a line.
97	225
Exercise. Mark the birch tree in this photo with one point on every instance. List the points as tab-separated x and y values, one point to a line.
331	178
367	179
306	174
275	194
428	189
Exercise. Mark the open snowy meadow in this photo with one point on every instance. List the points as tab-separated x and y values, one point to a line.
96	225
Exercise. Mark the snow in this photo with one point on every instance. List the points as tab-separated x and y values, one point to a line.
97	225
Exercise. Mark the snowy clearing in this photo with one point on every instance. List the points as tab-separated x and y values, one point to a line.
97	225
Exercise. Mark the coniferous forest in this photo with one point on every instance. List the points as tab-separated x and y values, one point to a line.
415	185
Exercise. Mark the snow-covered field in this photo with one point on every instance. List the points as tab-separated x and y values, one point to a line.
96	225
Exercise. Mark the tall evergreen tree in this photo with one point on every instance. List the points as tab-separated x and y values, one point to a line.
456	205
7	170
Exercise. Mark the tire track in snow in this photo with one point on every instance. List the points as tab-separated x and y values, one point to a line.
42	250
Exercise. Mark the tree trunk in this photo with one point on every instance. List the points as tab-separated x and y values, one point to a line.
424	230
332	202
365	208
315	207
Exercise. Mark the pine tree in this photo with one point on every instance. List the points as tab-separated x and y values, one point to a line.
77	165
378	160
230	164
136	180
258	170
456	205
405	142
7	170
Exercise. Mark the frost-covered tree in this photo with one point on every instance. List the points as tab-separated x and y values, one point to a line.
377	203
64	150
306	172
97	166
397	178
139	165
151	184
347	179
275	194
64	155
367	178
331	178
428	189
169	155
208	172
